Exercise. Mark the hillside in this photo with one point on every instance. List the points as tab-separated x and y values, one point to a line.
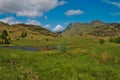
33	31
107	30
96	28
81	29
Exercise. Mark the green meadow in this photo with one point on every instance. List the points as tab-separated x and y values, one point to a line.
84	59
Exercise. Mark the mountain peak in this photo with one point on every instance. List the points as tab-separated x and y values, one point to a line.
97	22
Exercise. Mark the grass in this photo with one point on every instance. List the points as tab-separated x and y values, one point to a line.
85	59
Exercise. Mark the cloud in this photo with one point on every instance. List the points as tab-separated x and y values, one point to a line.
74	12
47	26
58	28
45	17
10	20
115	14
62	2
31	8
113	3
33	22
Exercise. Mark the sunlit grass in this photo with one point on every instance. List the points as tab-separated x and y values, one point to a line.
85	59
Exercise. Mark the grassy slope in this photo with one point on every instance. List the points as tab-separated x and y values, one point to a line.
79	29
34	32
84	60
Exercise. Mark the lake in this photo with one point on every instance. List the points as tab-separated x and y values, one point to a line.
32	48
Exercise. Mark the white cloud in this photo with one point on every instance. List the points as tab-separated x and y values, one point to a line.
73	12
115	14
33	22
58	28
62	2
10	20
113	3
45	17
30	8
47	26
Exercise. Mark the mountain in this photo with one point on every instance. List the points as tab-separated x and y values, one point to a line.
80	29
112	29
96	28
33	31
97	23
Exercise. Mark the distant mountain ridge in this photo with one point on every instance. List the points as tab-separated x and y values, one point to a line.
96	28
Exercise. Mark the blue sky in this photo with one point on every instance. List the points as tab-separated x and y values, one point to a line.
57	14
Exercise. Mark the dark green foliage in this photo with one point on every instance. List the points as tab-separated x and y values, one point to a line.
101	41
7	41
47	39
117	40
5	37
63	46
24	34
111	40
4	34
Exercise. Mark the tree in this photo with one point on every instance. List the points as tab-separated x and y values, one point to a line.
24	34
101	41
5	37
117	40
4	34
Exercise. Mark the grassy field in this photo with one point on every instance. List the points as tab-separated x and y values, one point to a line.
85	59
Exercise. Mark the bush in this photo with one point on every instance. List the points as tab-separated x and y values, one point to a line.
24	34
5	37
101	41
111	40
115	40
4	34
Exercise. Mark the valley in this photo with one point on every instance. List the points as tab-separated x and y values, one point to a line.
79	56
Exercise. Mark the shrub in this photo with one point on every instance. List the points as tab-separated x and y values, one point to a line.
111	40
7	40
47	39
24	34
5	37
101	41
4	34
117	40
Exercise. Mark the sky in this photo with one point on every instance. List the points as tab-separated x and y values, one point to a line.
55	15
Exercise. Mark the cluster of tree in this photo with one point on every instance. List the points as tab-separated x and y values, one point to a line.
115	40
24	34
4	37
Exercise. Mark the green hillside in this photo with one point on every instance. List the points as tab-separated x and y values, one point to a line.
33	31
